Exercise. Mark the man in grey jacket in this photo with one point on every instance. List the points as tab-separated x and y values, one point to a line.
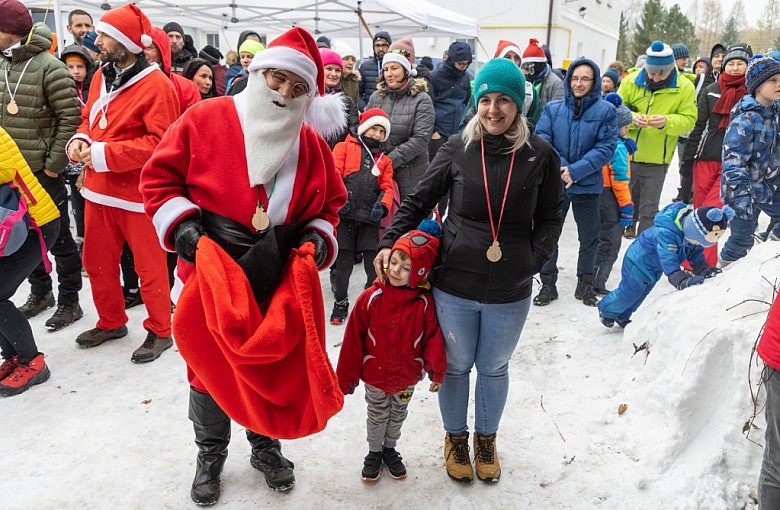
40	110
548	85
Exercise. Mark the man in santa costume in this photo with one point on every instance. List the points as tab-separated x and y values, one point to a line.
282	189
131	104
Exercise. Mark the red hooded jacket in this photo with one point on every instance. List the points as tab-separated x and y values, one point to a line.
186	90
769	345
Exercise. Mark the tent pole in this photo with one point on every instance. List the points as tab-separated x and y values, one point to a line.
58	27
359	13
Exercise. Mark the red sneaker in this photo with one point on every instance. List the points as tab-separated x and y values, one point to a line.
25	376
7	368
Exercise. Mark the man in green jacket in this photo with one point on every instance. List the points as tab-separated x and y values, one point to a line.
40	110
664	107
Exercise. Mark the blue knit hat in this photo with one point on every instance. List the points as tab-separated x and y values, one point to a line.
613	75
760	69
680	51
705	225
88	41
624	116
660	58
500	75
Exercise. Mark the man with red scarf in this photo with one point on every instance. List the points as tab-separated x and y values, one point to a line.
705	156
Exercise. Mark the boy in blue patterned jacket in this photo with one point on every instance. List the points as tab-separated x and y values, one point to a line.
751	158
679	233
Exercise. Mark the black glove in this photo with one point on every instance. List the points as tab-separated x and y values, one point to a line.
320	246
385	211
186	238
710	272
686	168
683	279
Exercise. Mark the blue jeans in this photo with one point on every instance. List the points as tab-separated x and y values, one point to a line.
588	220
741	237
478	334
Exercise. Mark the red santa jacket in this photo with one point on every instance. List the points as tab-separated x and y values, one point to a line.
348	156
392	340
138	114
769	345
201	164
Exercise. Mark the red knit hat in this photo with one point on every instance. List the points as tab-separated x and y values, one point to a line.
15	18
422	248
374	117
129	26
534	52
505	47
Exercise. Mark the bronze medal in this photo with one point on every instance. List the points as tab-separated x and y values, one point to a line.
12	107
260	220
103	122
494	252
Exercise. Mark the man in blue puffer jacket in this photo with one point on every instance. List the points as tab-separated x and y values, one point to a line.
582	129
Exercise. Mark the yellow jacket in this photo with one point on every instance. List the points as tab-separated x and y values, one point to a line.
40	205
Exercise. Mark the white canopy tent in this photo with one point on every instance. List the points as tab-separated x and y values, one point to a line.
339	18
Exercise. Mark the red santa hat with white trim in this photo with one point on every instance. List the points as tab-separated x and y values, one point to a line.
129	26
505	47
297	51
374	117
534	52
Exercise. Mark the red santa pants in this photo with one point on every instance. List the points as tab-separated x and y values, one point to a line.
105	231
706	191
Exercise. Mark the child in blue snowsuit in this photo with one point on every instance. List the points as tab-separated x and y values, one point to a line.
679	233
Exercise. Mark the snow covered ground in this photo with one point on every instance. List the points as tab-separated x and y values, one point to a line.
105	433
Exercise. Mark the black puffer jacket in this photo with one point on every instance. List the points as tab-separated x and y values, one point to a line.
411	115
528	234
369	73
705	142
49	111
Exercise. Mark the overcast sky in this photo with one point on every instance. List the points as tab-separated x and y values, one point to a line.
752	8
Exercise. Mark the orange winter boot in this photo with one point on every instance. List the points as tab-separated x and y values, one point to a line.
7	368
24	376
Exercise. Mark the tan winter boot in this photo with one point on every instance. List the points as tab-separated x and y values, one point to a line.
456	456
486	458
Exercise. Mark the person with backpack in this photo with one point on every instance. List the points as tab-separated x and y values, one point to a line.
28	227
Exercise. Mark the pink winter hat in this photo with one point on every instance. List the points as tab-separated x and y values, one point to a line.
330	57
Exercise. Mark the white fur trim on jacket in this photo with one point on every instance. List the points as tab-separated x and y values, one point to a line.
326	230
98	153
114	32
99	198
327	114
168	216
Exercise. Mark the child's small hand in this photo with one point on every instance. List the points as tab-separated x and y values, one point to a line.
80	179
434	387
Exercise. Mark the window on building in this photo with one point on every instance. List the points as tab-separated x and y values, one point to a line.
212	40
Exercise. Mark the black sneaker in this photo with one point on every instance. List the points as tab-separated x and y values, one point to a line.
394	462
151	349
132	298
36	303
340	310
64	315
371	466
97	336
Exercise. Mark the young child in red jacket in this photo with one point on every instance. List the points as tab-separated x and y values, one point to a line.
368	176
392	340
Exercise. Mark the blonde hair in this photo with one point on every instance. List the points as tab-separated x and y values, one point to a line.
518	133
231	58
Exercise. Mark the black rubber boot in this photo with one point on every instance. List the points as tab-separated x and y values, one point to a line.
267	457
589	297
547	293
212	435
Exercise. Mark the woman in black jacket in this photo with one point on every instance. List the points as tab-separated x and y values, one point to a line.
503	224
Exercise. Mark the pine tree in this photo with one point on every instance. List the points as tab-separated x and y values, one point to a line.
623	41
767	23
678	29
730	32
650	27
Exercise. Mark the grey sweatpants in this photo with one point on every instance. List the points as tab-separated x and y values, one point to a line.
647	182
769	480
386	415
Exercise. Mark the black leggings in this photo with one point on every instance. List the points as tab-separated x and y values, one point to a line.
344	262
16	337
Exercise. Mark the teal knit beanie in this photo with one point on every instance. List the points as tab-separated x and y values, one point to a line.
501	75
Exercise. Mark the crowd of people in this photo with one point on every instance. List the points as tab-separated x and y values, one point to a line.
405	167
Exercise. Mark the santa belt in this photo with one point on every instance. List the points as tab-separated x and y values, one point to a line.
262	256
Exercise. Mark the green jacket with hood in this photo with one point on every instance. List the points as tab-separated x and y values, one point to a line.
49	111
677	101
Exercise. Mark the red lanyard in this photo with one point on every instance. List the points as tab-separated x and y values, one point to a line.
495	228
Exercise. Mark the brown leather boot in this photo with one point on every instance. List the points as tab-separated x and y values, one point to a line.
456	456
486	458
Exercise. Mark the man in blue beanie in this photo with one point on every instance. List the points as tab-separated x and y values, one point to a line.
371	67
681	56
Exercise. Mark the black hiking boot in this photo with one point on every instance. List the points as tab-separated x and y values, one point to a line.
151	349
394	462
607	321
547	293
36	303
267	457
132	298
340	310
586	293
371	466
97	336
64	315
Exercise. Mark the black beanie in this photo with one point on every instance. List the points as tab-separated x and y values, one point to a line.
172	26
210	54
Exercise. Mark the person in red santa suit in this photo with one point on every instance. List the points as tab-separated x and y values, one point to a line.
131	104
283	183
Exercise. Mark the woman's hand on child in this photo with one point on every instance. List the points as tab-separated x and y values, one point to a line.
380	263
434	387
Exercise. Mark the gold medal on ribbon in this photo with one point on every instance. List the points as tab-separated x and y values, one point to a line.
494	252
12	107
260	220
103	122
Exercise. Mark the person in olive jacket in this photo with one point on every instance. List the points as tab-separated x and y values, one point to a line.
39	108
503	224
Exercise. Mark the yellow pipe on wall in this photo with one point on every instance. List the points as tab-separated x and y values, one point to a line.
513	27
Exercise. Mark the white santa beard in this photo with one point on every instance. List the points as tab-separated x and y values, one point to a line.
269	130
